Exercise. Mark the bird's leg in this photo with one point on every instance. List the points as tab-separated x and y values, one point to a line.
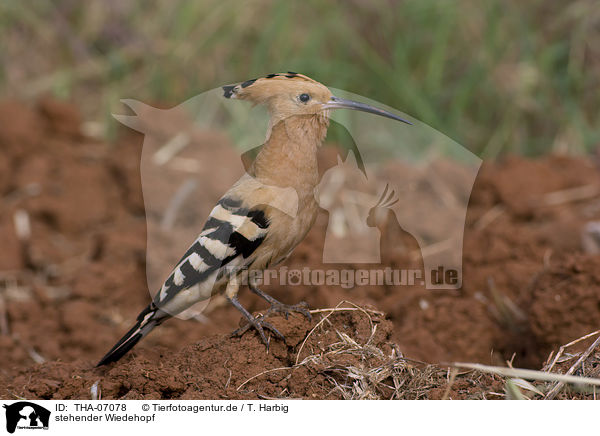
279	307
259	323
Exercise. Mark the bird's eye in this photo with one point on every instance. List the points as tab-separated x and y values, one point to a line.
304	98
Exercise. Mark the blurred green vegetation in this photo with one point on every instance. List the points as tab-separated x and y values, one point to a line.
497	76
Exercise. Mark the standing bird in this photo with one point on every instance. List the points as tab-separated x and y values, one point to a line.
261	219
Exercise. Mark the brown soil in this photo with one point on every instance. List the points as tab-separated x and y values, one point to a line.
74	287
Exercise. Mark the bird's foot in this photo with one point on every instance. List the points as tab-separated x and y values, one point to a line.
279	307
260	325
286	309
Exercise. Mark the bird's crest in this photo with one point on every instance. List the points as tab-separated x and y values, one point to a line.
271	80
277	90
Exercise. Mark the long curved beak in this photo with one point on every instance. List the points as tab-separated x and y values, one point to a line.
342	103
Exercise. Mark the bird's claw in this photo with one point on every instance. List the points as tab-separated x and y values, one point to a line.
279	307
286	309
259	324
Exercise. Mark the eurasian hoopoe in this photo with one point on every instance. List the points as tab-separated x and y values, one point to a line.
261	219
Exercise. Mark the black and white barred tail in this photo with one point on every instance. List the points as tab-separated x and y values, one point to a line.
231	232
149	318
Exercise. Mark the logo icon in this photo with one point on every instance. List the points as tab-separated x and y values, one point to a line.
26	415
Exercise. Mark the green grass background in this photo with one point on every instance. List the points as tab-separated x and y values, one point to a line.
497	76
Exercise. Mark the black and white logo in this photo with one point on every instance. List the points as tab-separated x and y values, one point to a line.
25	415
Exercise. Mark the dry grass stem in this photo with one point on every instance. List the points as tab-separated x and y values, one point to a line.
530	374
562	349
559	385
489	217
173	146
569	195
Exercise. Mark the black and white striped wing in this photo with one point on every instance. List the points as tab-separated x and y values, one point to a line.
229	237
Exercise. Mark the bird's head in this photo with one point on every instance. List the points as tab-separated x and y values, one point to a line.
292	94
